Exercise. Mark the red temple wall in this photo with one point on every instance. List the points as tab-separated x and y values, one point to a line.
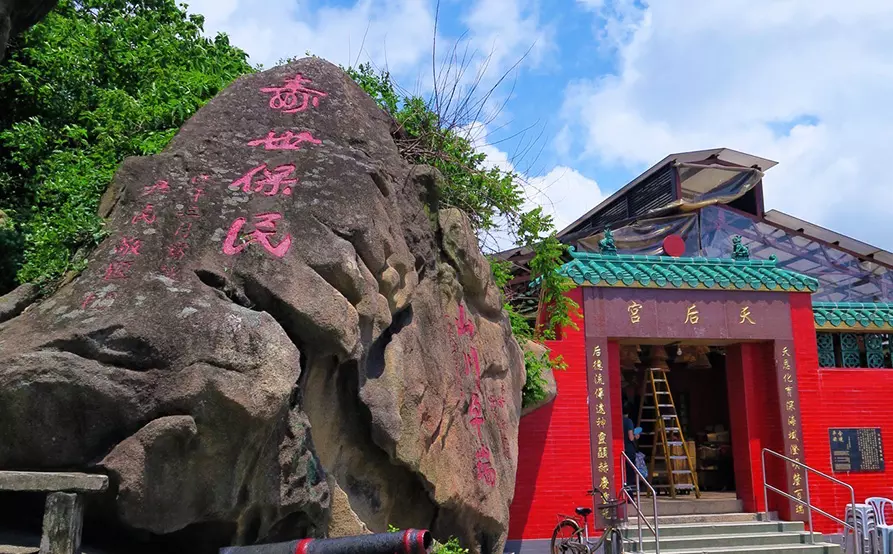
753	408
838	398
554	469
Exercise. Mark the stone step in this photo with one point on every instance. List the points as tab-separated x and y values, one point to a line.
716	528
10	549
822	548
696	542
703	518
684	506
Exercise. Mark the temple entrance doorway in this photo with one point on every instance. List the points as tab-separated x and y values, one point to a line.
685	385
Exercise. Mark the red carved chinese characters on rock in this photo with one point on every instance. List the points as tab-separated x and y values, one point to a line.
177	250
294	96
170	271
476	413
264	228
199	192
128	246
286	141
183	230
483	467
95	302
496	401
162	187
147	215
273	179
117	270
471	359
191	211
464	326
89	298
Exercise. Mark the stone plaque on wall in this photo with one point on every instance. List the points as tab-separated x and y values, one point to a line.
856	450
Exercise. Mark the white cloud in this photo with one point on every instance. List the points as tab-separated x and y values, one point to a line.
397	33
697	74
216	12
507	29
560	192
563	193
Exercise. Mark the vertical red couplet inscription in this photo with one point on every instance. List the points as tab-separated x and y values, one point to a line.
177	249
264	228
483	467
471	359
464	326
286	98
498	400
476	413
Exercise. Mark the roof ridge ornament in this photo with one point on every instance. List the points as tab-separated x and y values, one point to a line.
740	253
606	245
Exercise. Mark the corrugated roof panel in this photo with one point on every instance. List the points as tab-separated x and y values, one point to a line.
817	232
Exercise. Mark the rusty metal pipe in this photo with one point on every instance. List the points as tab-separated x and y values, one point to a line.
411	541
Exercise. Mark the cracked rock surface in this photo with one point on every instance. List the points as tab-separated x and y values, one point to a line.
256	355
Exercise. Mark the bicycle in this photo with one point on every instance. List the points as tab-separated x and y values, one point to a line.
577	539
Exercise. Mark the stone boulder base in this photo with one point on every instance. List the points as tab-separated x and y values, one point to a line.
283	336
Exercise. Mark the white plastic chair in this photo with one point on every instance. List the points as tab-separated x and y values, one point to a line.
884	529
863	517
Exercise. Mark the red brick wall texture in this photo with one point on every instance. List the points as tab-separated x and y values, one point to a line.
554	468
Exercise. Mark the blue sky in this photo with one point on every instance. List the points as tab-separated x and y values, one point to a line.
605	88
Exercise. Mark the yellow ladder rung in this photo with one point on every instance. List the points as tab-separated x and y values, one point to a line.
665	423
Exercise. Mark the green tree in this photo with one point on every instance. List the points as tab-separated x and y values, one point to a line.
94	82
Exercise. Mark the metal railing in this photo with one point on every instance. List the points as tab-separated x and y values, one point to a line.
857	539
637	502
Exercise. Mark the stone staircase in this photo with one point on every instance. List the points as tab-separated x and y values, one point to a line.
732	533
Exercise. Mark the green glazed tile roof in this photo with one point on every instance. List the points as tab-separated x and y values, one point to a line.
629	270
852	314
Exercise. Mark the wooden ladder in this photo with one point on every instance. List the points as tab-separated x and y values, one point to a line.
659	410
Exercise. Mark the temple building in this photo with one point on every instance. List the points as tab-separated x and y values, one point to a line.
720	329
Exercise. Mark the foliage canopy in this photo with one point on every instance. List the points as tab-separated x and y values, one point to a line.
94	82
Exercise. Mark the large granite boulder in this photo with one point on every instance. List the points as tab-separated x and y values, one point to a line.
17	16
282	336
